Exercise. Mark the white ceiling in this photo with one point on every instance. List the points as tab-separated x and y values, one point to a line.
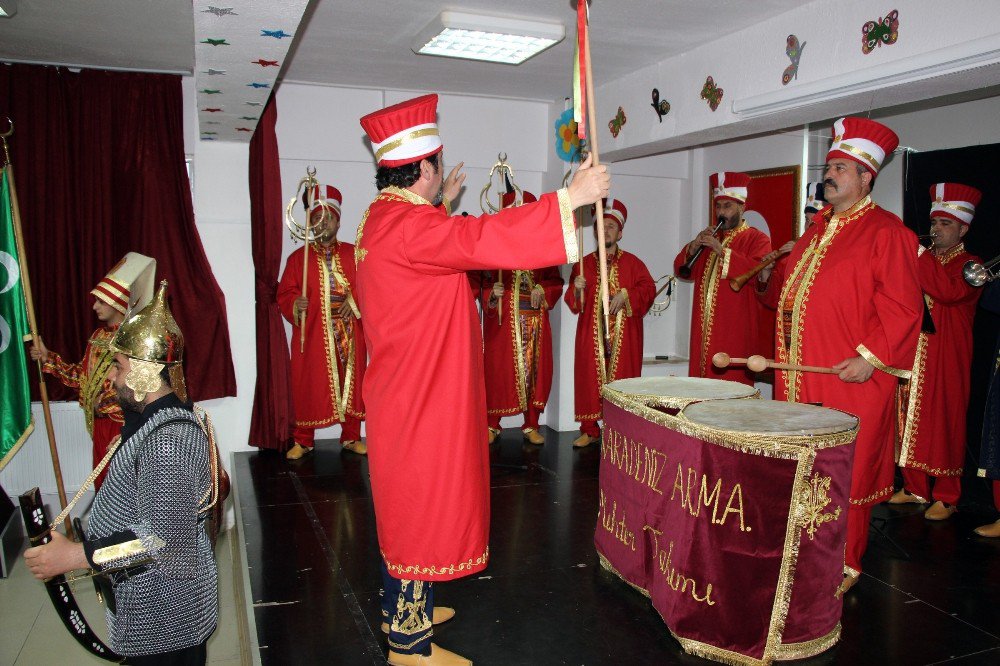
366	43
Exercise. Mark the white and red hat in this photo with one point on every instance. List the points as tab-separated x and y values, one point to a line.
129	283
404	133
327	196
729	185
615	210
508	198
814	196
864	141
955	201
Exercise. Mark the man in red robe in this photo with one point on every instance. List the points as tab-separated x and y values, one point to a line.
630	290
933	406
517	342
723	320
127	286
848	298
328	369
430	483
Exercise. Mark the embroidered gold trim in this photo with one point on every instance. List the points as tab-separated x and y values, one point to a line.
846	147
911	425
808	265
710	280
806	649
814	500
568	226
434	570
934	471
877	495
879	365
410	136
948	204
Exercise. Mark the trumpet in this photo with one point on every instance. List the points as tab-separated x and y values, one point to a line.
978	274
685	270
922	237
739	281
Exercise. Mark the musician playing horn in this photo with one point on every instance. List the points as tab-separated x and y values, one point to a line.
328	373
849	298
721	319
517	342
933	405
631	289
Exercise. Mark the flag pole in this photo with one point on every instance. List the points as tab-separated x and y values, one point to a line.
43	390
602	255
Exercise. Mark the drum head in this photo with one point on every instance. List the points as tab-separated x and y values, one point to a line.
677	392
770	417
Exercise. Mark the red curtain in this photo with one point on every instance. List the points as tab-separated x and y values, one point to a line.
272	420
99	158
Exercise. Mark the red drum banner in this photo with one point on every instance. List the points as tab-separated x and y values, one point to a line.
731	516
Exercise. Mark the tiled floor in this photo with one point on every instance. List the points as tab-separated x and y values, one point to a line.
31	634
312	548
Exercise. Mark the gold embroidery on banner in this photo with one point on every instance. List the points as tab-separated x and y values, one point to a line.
806	649
710	281
813	502
788	447
614	523
864	501
434	570
675	579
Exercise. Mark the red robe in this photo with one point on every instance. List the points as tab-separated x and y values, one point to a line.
102	413
424	390
856	294
723	320
518	359
934	410
334	359
591	371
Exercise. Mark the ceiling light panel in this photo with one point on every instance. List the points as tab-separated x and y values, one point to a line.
486	38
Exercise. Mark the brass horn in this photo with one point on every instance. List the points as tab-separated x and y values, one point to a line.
978	274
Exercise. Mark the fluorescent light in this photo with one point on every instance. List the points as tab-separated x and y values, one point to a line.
489	38
8	8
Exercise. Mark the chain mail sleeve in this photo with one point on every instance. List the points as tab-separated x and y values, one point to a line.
171	479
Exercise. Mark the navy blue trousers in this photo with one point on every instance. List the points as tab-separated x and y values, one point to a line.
407	607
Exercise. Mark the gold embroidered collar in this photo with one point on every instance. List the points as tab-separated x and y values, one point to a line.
406	195
951	253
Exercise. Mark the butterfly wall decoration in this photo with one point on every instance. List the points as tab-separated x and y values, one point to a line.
794	51
711	93
615	125
662	107
883	31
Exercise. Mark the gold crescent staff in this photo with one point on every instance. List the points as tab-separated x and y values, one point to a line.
302	233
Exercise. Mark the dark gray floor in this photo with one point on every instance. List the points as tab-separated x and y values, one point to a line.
312	549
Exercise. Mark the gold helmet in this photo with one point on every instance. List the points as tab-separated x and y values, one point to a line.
152	340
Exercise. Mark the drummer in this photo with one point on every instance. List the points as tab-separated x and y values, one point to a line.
849	298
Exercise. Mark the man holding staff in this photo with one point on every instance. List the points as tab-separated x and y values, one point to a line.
603	358
430	486
329	368
723	319
849	298
517	342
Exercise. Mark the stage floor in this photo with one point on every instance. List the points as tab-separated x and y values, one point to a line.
312	552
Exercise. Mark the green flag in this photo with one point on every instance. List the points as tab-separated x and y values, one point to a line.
15	398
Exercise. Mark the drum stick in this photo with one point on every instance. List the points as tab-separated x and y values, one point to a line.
760	364
722	360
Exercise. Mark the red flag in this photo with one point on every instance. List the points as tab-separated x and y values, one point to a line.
581	50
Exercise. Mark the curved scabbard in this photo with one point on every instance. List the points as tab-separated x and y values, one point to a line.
37	525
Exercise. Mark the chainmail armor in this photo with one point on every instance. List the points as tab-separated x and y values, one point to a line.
155	483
